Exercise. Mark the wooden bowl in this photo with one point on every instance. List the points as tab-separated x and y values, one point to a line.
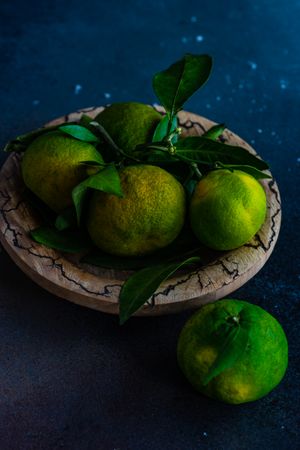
99	288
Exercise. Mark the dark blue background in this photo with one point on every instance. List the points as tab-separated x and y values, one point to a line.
70	377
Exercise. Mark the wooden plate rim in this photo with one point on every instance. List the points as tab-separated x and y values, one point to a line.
69	280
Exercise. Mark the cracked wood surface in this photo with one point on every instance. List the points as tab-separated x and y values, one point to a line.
98	288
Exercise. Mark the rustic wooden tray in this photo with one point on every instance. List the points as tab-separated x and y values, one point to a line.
98	288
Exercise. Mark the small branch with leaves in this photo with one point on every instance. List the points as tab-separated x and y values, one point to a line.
187	158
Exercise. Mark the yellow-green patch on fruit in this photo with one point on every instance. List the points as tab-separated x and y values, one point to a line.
51	169
129	124
262	359
227	209
148	217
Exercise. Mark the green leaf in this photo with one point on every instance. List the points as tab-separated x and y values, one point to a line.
257	174
235	340
160	157
79	132
176	84
107	180
101	131
162	129
66	241
214	132
108	146
20	143
67	219
156	151
199	149
79	195
93	167
94	163
142	285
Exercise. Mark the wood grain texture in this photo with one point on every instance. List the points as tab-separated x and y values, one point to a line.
97	288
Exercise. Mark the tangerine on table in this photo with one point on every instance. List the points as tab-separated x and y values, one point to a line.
258	368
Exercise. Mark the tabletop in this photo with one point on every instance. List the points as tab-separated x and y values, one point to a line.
72	377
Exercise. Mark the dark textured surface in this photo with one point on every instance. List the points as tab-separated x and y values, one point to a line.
70	377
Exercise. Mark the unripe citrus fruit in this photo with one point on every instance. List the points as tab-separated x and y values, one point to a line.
148	217
51	169
227	209
129	124
233	351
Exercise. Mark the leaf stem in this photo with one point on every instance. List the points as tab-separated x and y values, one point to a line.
171	118
196	170
107	138
157	147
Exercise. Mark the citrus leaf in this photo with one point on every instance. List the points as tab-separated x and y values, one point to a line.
162	129
79	132
87	122
160	157
200	149
94	163
93	166
101	131
142	285
79	194
67	219
176	84
20	143
107	180
155	152
234	344
214	132
257	174
108	145
66	241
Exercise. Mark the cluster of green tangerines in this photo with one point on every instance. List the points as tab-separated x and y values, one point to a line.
222	348
225	211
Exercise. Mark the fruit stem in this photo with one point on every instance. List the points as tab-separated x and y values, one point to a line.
234	320
171	117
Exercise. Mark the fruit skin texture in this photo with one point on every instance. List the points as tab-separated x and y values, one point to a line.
259	369
227	209
148	217
129	124
51	169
